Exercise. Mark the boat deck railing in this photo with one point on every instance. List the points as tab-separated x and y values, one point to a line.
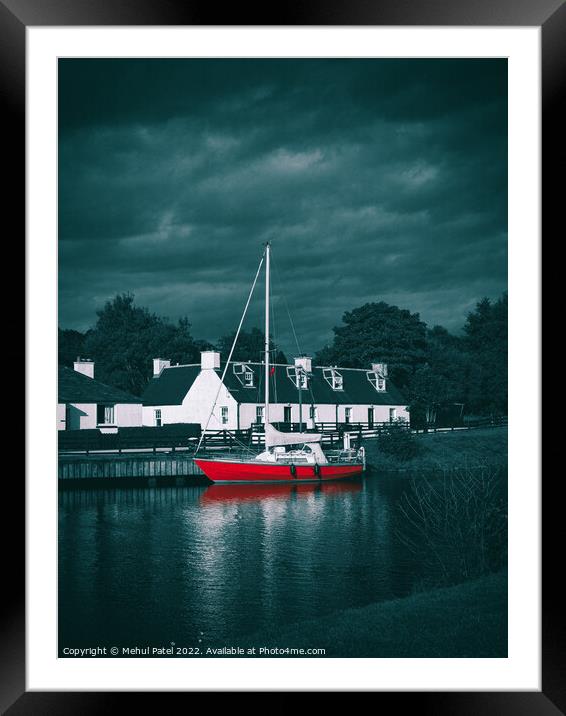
352	455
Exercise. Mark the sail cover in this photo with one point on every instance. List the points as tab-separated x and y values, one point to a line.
274	437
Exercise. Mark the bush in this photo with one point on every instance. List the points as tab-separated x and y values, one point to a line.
399	442
456	525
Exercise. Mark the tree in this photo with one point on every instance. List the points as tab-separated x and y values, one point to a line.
442	379
250	347
447	354
485	339
378	332
71	346
127	337
428	389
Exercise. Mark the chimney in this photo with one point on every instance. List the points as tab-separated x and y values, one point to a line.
209	360
380	369
159	364
84	366
304	363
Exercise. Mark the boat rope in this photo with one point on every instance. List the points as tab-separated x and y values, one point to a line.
221	385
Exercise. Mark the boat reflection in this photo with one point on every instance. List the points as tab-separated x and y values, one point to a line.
257	492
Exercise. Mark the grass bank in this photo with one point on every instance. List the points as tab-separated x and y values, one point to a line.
458	449
467	620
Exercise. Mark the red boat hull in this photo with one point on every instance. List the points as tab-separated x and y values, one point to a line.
246	472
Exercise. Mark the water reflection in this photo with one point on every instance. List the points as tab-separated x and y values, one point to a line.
244	492
151	565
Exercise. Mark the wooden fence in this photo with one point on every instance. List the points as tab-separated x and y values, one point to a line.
185	437
169	437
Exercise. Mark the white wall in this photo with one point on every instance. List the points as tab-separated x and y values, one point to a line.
60	416
169	414
197	404
128	415
380	413
200	399
82	416
326	413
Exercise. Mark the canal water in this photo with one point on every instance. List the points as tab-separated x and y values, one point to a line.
204	566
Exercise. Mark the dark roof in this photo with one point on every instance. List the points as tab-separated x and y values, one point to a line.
173	384
74	387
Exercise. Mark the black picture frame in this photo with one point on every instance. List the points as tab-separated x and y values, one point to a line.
15	17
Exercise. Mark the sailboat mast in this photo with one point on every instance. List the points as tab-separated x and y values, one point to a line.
266	408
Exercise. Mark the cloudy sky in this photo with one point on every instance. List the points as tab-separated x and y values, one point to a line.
376	180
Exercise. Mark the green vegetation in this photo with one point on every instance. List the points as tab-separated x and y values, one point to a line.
454	523
468	620
432	366
124	341
378	332
446	450
399	443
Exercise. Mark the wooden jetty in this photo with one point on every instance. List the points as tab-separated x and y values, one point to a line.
167	468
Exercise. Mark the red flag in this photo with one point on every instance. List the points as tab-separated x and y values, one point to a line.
272	370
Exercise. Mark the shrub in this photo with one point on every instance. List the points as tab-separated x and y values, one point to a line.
456	525
399	442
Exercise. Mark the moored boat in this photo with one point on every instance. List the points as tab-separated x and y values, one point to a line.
287	457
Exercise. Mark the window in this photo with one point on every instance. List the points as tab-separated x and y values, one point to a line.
313	413
223	415
244	374
105	414
157	413
347	415
259	413
392	414
378	381
286	413
370	418
298	376
333	378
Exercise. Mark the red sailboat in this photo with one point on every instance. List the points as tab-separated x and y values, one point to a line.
288	457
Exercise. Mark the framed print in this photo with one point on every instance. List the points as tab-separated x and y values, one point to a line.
281	257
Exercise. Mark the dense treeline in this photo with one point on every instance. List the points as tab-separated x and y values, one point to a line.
432	366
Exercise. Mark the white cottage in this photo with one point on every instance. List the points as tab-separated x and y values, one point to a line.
324	394
84	402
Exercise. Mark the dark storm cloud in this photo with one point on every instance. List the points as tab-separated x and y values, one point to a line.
375	179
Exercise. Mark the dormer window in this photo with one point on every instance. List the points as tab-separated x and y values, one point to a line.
298	376
377	380
244	374
333	378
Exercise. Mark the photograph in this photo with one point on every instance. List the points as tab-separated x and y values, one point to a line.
282	390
